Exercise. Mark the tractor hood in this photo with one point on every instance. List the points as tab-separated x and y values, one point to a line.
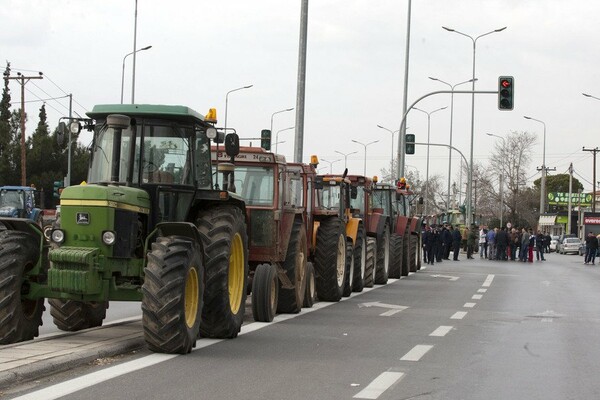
8	211
122	197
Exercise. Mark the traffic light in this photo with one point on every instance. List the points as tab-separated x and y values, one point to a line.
506	89
410	143
265	139
58	186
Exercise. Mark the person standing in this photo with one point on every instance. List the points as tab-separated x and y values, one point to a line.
524	245
501	244
447	241
513	243
482	234
591	246
424	241
539	245
456	239
491	239
471	240
428	245
531	245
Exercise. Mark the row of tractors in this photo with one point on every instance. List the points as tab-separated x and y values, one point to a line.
178	216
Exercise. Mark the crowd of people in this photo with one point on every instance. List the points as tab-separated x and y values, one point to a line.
493	244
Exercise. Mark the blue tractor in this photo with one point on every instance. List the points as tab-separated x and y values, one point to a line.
19	202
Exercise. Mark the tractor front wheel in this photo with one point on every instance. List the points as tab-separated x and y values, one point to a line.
360	259
330	259
383	257
310	295
370	262
71	315
225	242
20	318
291	298
265	292
396	256
172	295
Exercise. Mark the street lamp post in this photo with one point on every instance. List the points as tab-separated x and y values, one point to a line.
365	146
277	137
227	101
543	181
346	157
501	183
278	112
451	124
428	136
469	210
392	133
331	164
123	70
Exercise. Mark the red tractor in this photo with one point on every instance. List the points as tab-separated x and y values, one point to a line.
277	232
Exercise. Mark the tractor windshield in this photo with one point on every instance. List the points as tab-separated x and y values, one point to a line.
12	198
255	184
381	199
161	154
329	196
358	202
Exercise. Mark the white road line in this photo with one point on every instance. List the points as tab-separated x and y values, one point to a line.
379	385
488	280
477	296
459	315
389	313
417	352
481	290
469	305
74	385
547	319
441	331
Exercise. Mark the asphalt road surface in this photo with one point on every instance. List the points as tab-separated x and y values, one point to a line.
474	329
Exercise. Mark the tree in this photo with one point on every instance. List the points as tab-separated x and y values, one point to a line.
5	117
510	159
558	183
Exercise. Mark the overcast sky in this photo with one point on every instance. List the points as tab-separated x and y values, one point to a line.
355	69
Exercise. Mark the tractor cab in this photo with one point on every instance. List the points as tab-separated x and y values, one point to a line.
19	202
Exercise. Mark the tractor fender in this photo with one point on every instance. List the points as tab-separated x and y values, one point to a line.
35	213
352	229
378	223
186	229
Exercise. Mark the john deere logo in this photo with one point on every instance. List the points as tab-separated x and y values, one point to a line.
83	218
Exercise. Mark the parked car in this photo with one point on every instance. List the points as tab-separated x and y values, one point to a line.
553	243
569	245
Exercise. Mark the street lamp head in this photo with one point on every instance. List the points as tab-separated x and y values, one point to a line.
586	95
448	29
247	87
146	48
500	29
526	117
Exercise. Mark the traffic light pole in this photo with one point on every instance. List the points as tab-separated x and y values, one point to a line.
402	141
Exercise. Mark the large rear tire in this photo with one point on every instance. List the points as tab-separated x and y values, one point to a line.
225	241
310	296
330	259
349	269
370	262
414	242
172	295
383	257
406	255
360	259
20	318
396	256
291	299
265	292
72	316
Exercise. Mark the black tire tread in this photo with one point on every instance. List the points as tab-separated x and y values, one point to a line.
72	316
371	244
395	257
359	247
383	249
325	261
290	300
265	275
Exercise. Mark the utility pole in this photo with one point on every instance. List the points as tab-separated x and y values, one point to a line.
594	150
569	200
22	80
301	83
544	170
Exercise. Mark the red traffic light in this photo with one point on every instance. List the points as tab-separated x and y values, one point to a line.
505	83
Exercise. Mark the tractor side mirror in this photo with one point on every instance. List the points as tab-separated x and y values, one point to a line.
353	192
420	200
232	145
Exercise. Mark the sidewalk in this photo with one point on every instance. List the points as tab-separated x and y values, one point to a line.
40	357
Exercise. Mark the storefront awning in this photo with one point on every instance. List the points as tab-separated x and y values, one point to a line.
547	220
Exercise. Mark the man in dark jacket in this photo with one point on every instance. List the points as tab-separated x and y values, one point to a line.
591	246
540	238
501	244
447	241
456	239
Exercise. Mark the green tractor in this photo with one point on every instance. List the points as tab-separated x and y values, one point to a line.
148	226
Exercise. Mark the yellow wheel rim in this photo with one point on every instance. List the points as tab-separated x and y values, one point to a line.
236	274
192	294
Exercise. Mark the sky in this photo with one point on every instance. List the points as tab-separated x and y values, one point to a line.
354	74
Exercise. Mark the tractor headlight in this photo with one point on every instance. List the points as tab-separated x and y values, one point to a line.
109	238
58	236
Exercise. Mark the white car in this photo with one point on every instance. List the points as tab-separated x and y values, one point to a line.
553	243
569	245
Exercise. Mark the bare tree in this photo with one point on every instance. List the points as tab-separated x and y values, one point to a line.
510	159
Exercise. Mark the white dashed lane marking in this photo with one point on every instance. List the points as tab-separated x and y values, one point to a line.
379	385
481	290
477	296
441	331
459	315
469	305
488	280
417	352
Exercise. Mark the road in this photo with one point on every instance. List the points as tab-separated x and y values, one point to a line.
474	329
